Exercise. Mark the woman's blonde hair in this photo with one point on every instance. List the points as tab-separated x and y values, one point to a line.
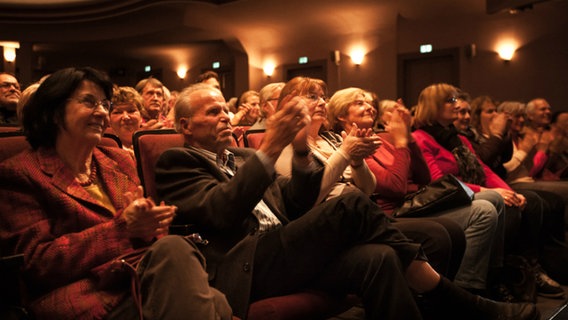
338	106
430	101
127	95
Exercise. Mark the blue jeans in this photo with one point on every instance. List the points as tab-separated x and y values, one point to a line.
481	222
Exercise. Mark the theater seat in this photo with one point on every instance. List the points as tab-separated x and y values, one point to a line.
238	135
12	143
9	128
148	146
253	138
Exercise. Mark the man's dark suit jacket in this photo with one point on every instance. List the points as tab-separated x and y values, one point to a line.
221	208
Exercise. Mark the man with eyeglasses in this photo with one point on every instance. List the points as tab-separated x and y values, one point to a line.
9	97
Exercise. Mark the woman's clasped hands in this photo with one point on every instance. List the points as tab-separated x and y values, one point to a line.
146	220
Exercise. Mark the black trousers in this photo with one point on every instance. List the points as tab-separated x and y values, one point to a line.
523	226
442	240
344	245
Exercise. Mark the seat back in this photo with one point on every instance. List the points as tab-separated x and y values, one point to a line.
238	135
253	138
14	142
9	128
110	140
148	146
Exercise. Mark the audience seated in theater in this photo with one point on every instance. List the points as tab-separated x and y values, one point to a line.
152	92
345	171
269	95
266	236
486	129
399	169
9	96
125	118
494	145
446	151
498	136
556	167
249	109
529	155
72	208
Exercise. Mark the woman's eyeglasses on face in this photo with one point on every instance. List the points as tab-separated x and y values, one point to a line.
315	97
92	103
452	100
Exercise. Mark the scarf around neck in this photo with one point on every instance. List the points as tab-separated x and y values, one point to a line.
470	169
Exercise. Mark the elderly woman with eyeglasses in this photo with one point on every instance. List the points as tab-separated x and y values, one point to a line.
446	151
73	207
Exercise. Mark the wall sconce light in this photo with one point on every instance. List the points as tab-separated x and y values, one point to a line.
506	51
10	50
269	69
182	72
357	56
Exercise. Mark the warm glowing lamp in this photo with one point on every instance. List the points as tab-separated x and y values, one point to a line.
506	51
9	54
182	72
269	69
10	50
357	56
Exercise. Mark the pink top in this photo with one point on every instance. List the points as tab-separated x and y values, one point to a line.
441	161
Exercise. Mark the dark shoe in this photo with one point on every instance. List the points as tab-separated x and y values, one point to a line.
454	302
507	311
545	286
501	293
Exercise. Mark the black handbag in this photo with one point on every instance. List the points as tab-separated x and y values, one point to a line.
441	194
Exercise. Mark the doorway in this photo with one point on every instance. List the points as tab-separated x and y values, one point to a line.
416	71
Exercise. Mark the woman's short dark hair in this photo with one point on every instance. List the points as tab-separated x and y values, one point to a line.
45	112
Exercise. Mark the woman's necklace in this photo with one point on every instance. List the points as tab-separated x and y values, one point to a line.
92	177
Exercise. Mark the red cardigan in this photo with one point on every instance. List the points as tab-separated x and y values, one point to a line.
63	232
441	161
398	171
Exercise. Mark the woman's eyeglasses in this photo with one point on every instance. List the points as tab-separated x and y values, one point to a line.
92	103
315	97
452	100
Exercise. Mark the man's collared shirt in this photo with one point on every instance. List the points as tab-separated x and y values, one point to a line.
267	220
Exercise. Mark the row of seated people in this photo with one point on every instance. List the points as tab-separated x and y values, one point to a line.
407	160
72	208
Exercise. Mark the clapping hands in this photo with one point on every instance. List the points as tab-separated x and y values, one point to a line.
359	144
145	219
